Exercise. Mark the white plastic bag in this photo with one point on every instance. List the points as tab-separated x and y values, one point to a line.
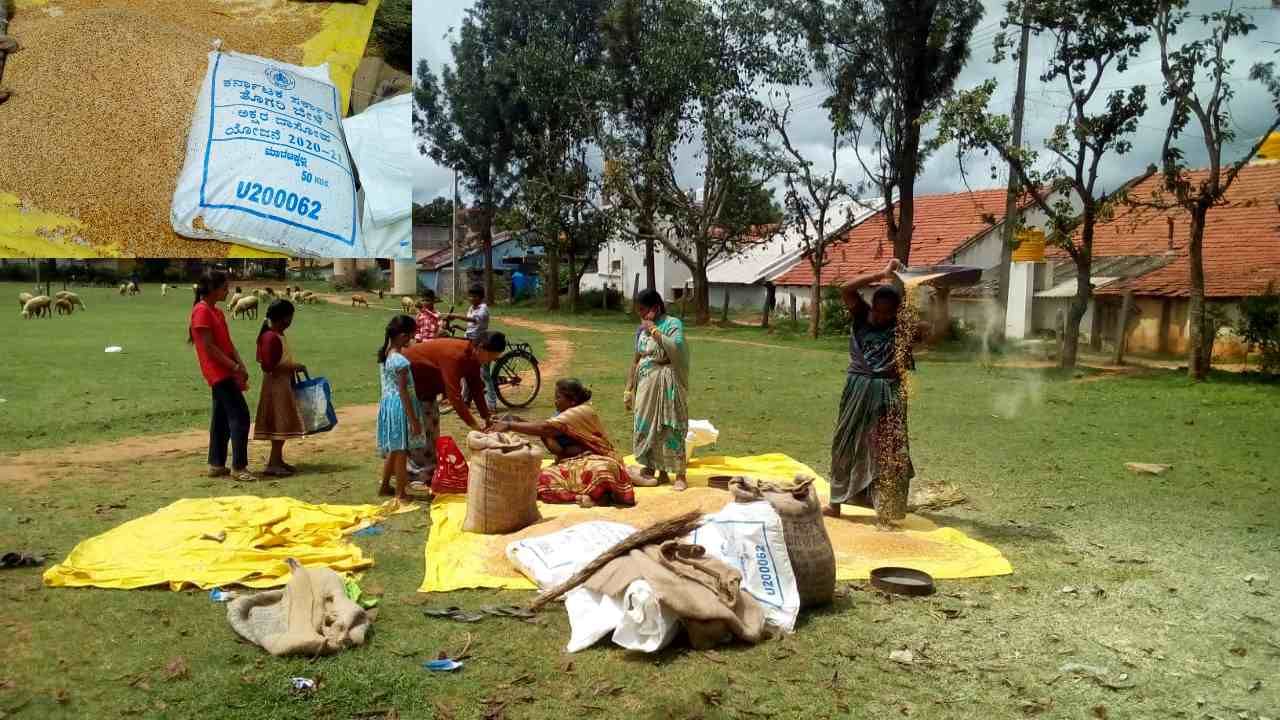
645	625
266	161
701	433
377	139
551	559
748	536
592	616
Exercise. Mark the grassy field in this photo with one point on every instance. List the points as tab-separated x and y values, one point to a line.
1143	576
60	388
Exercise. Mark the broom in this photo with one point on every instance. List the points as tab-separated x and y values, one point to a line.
660	532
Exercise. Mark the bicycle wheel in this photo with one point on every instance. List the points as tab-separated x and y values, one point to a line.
517	379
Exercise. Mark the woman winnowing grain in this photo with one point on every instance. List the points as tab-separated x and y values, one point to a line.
870	457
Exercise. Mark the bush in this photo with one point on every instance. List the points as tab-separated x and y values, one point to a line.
1260	326
835	314
392	26
594	299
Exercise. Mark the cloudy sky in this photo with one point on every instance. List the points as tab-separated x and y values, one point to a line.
435	24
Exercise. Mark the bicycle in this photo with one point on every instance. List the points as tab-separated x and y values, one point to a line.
517	379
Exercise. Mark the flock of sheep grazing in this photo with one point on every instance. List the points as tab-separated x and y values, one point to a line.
64	303
241	304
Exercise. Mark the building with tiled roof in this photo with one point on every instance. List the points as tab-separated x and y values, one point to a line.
1241	259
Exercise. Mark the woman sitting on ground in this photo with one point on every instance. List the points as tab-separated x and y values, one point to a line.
588	470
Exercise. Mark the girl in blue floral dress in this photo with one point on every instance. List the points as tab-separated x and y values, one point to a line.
399	423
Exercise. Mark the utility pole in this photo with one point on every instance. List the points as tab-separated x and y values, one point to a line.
1011	199
453	237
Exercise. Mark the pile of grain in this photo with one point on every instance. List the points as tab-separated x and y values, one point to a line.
104	91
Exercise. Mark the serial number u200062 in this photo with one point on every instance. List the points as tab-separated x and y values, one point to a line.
278	198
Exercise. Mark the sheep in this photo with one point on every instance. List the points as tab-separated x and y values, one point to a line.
37	306
23	298
124	288
359	299
164	289
63	306
71	297
233	299
269	292
134	289
406	304
246	307
310	297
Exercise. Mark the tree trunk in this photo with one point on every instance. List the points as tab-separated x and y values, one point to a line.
1122	329
1079	306
552	289
815	309
724	311
649	232
574	279
770	298
701	297
908	167
1197	359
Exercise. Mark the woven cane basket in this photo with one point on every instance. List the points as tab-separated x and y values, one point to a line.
502	485
812	559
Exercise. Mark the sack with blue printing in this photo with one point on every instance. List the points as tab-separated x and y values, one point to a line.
267	164
748	537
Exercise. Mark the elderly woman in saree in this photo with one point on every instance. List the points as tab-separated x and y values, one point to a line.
870	457
587	470
658	392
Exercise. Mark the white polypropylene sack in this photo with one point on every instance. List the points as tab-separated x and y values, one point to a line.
748	536
266	161
592	616
700	434
645	625
381	142
551	559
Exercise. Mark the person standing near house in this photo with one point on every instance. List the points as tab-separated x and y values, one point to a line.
477	319
870	457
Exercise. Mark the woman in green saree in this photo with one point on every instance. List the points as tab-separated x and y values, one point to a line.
658	393
870	457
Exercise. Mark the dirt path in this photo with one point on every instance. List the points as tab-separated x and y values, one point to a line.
34	469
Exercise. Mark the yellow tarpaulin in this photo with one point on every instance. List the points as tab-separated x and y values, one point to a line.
177	545
456	560
341	42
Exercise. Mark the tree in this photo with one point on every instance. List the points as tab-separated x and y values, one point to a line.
727	52
818	205
890	65
650	51
1091	38
436	212
554	48
1207	118
461	119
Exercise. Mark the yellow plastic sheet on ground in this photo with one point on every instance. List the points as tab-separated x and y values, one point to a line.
341	42
457	560
177	545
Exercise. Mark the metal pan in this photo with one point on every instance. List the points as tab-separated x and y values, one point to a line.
902	581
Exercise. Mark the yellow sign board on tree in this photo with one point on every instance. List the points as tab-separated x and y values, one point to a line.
1030	246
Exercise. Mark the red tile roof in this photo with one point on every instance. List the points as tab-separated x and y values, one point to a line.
943	223
1241	240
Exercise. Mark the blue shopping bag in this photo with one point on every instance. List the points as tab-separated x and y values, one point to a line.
315	403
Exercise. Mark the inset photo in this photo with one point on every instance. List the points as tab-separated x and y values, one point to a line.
213	128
